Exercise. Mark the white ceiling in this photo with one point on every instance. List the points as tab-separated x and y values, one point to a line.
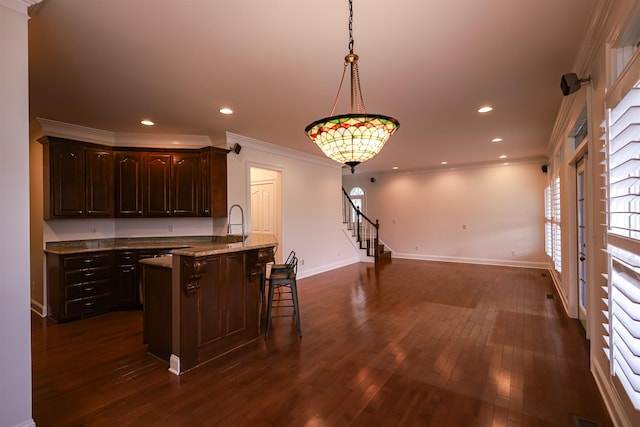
107	64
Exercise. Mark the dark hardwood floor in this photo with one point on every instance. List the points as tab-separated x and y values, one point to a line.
412	343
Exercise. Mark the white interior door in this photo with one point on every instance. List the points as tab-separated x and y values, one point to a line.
266	204
263	218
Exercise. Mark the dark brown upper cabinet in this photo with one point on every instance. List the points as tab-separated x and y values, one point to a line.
157	185
90	180
128	181
78	179
185	184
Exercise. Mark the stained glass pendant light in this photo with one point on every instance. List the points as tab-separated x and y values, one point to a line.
356	137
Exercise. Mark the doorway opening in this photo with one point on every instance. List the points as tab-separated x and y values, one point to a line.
266	204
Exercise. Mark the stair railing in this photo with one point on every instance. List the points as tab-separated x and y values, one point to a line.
364	230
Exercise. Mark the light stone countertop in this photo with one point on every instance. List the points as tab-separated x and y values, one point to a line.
180	245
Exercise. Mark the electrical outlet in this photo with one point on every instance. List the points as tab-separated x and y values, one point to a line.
93	229
513	252
464	226
302	262
417	248
170	228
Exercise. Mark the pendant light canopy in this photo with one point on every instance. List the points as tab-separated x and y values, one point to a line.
356	137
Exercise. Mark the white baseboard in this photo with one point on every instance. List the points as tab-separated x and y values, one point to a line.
610	397
482	261
28	423
328	267
38	308
174	364
560	292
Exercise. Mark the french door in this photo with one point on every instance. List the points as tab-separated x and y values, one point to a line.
582	242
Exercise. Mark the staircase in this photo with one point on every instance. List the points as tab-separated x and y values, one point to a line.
363	231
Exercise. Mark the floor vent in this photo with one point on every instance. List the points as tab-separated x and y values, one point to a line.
550	296
583	422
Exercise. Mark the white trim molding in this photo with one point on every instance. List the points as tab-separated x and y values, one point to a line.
20	6
48	127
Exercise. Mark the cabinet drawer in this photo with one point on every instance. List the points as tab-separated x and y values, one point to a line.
87	289
126	259
87	275
87	261
87	305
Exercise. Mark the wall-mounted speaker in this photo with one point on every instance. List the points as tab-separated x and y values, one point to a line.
570	83
236	148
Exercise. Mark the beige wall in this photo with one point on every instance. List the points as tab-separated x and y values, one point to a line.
487	215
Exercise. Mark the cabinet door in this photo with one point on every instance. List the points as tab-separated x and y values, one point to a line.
67	179
157	186
99	182
213	166
126	289
184	174
239	297
204	188
128	184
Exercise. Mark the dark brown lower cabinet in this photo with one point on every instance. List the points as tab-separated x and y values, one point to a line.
126	291
79	285
126	284
157	309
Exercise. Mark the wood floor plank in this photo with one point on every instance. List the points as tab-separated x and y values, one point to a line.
411	343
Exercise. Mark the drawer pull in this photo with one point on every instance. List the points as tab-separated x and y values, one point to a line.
88	274
89	288
89	260
89	304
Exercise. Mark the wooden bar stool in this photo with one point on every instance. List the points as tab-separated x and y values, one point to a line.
283	294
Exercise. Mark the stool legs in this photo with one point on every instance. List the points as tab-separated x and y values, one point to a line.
293	290
269	307
294	296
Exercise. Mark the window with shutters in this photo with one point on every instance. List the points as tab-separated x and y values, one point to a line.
552	223
622	338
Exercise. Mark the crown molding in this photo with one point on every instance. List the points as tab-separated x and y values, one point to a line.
20	6
594	38
113	139
267	147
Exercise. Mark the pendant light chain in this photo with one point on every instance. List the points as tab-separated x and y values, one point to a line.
351	27
357	101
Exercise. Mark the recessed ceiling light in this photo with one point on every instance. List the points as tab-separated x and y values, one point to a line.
504	156
147	122
496	140
444	163
485	109
226	110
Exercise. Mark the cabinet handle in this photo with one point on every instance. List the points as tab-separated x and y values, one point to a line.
88	274
89	288
88	304
89	260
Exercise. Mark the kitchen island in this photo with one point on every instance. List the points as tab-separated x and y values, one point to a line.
211	294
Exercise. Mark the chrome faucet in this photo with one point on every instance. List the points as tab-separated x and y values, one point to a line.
229	219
